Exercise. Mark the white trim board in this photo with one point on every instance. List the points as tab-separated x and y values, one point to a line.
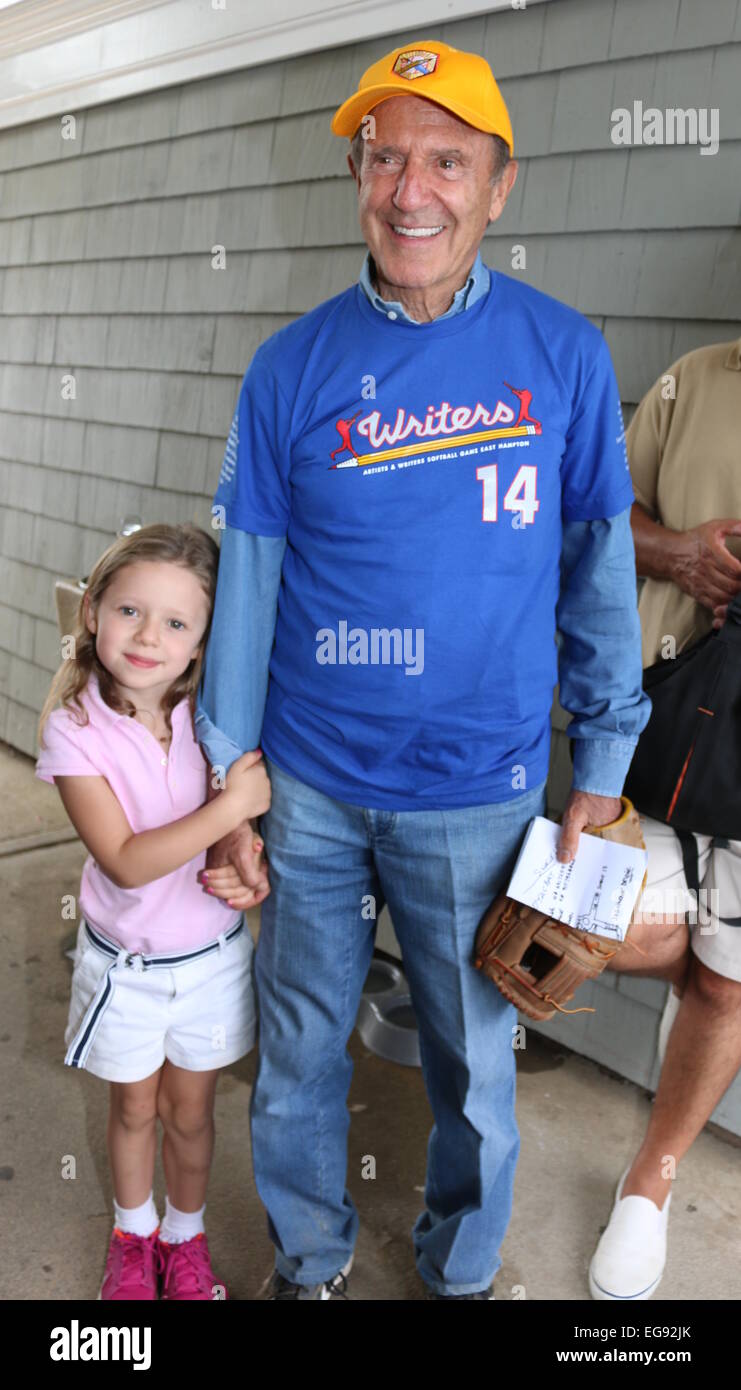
59	56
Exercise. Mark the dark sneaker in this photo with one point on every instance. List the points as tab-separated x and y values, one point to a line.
276	1287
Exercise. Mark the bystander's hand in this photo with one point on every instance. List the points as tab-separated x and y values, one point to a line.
703	566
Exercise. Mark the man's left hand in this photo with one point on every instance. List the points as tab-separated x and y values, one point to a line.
237	867
583	809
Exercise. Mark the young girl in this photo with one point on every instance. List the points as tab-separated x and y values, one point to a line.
162	989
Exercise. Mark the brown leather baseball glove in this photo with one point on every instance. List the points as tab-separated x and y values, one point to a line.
536	962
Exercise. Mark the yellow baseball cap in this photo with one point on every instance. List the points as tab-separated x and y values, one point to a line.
461	82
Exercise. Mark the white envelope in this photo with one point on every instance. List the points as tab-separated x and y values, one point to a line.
596	892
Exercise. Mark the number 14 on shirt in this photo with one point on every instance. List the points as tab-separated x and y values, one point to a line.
519	497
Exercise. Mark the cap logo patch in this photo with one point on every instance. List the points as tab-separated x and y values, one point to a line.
415	62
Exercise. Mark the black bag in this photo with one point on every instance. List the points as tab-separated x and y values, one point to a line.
686	770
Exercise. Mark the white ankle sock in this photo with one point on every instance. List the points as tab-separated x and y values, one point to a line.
178	1226
137	1221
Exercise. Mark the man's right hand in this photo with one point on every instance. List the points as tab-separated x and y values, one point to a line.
703	566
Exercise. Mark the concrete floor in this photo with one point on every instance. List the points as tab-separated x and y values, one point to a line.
579	1126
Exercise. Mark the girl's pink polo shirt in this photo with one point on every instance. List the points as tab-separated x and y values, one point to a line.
154	788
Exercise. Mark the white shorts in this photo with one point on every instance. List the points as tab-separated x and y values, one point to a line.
129	1013
714	939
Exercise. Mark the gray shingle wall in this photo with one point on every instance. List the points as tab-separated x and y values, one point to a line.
105	260
105	274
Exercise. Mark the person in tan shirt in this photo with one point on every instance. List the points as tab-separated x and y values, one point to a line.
685	466
683	448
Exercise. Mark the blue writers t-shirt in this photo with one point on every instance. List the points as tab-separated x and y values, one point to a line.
420	475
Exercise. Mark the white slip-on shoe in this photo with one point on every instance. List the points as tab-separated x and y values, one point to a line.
630	1257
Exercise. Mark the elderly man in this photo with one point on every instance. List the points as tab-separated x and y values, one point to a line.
426	475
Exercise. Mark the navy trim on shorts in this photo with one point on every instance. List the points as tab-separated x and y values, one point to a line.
83	1040
91	1020
109	948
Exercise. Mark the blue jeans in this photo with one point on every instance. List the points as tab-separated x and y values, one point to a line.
438	872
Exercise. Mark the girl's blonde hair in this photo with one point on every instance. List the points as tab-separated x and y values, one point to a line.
186	545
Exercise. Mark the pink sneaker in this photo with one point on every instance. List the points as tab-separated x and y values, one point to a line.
132	1266
187	1271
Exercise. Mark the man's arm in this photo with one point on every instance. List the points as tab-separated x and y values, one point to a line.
697	560
600	671
231	700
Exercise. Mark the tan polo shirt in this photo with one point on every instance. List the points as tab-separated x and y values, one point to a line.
685	464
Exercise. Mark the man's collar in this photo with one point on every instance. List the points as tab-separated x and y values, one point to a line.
477	284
